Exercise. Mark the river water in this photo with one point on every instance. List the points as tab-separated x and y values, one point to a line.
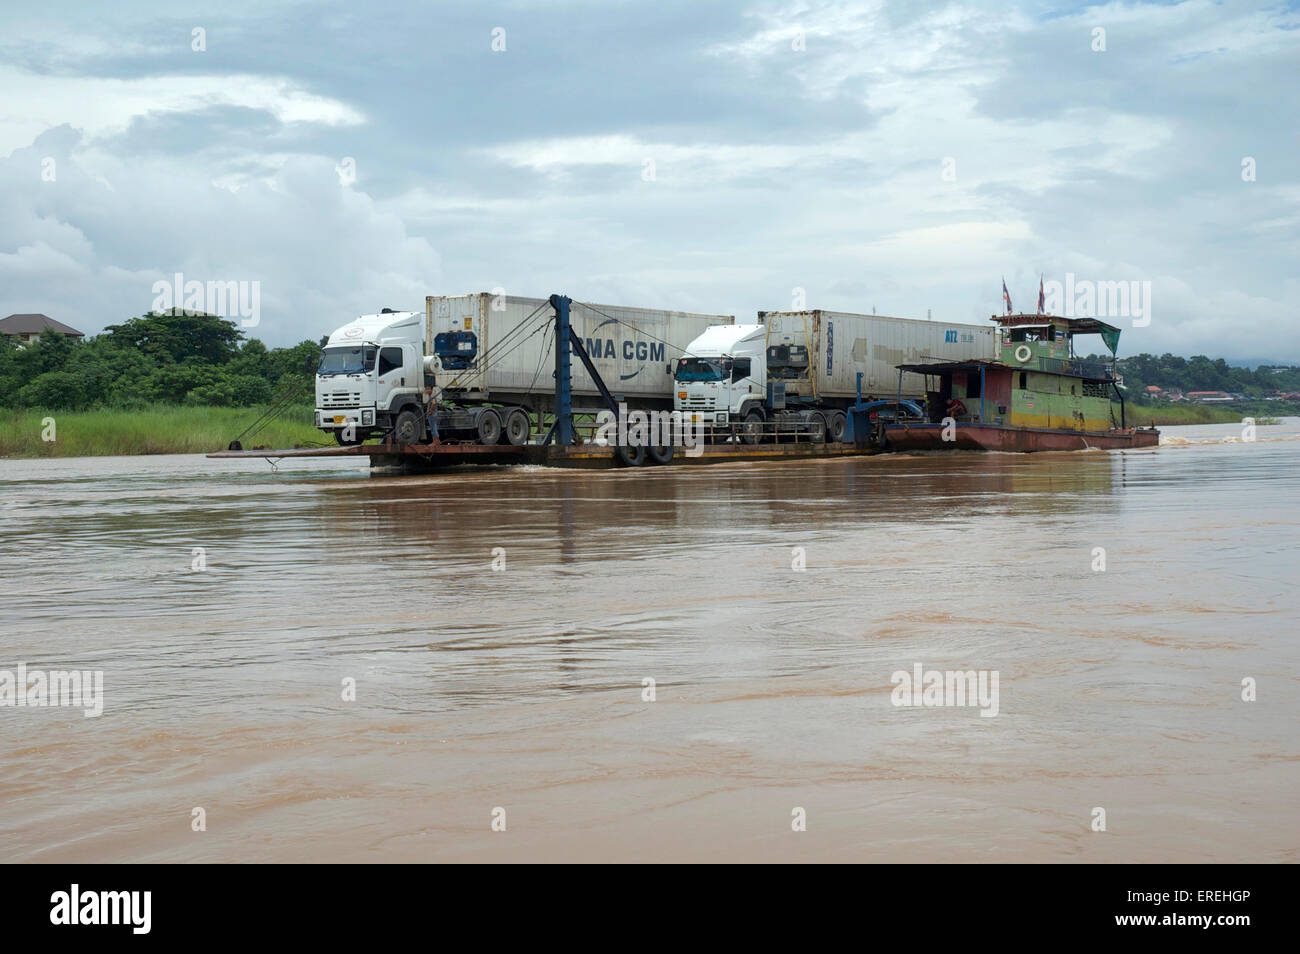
230	607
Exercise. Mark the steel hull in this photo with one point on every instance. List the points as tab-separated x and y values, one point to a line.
1024	440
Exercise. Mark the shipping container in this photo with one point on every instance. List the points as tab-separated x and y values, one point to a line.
839	345
484	352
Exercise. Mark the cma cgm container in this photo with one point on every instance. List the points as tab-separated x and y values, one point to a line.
490	359
482	352
801	367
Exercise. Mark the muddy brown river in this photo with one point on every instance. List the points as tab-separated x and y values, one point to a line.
686	663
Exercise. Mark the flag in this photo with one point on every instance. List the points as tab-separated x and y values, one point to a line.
1041	299
1006	295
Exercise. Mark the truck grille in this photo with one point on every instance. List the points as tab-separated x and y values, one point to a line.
341	399
698	402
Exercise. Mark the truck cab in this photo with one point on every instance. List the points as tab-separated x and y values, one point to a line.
371	377
722	375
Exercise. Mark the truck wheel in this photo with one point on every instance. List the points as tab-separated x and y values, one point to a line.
817	429
517	428
836	426
751	431
663	454
630	455
408	429
488	427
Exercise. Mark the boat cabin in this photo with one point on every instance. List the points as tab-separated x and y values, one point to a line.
1036	381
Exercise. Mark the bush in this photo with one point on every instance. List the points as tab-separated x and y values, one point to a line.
56	390
241	390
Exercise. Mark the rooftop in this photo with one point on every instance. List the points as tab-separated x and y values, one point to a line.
1077	326
34	324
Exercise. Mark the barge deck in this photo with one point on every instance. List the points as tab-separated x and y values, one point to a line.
422	458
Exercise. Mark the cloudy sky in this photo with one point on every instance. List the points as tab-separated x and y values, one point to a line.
901	156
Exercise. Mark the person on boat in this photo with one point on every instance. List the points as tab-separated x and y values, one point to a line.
956	408
431	411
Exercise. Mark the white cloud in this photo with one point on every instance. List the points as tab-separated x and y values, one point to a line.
321	252
103	106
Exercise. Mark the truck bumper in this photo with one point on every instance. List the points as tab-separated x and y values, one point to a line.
336	418
704	417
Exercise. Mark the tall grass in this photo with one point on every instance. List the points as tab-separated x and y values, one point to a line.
162	429
1173	415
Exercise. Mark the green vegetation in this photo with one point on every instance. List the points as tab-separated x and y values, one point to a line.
172	383
162	429
180	358
1174	414
1199	373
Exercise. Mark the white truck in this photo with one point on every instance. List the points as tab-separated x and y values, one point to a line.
489	361
798	370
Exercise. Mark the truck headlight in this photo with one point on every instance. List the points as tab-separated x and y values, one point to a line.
721	417
367	418
318	418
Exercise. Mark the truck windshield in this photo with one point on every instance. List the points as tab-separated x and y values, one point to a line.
356	359
702	369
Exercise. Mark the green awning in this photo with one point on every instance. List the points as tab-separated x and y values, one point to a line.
1111	337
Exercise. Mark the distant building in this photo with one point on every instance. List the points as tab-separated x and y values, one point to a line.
28	328
1210	397
1154	392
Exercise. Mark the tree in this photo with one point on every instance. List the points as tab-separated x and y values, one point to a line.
179	335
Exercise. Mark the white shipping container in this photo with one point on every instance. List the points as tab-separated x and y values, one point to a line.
841	344
633	349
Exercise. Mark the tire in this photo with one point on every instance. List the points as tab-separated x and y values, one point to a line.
630	455
338	439
488	427
819	429
517	428
836	426
660	455
408	429
751	429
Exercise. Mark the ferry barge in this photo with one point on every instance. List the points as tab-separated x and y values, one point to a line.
1036	396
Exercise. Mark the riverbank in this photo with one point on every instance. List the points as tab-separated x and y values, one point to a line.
1198	414
162	429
